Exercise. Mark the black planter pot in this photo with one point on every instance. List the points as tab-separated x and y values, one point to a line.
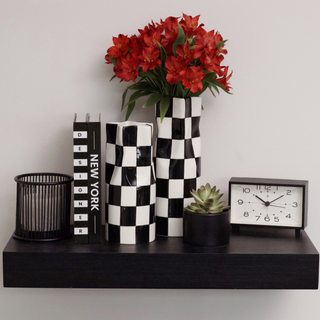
206	229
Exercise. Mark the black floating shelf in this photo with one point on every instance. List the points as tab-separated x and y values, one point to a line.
255	259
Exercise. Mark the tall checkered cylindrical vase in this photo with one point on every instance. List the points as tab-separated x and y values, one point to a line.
177	163
130	183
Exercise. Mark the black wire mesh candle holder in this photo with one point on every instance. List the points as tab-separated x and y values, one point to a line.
43	206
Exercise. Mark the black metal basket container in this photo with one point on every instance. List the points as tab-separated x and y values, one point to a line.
43	206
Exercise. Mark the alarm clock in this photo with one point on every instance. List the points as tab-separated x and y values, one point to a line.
268	202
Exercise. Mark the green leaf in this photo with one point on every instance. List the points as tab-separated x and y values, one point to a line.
196	197
114	62
215	88
210	88
210	76
211	85
130	109
136	95
112	78
163	74
191	42
180	91
218	84
220	44
181	39
143	85
164	106
152	100
165	87
148	74
163	55
124	98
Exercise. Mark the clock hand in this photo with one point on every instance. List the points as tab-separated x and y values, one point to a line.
272	205
260	199
267	203
276	199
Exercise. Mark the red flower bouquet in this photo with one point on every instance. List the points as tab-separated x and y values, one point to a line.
173	58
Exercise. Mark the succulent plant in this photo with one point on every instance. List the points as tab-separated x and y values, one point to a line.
206	200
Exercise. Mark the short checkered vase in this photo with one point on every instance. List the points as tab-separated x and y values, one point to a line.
177	163
130	183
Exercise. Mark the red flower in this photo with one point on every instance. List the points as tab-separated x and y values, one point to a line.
174	68
120	48
224	79
211	62
152	38
184	53
151	35
127	68
178	66
205	42
190	25
217	39
191	78
171	28
150	27
134	46
149	58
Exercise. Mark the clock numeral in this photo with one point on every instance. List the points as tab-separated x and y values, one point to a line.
246	190
288	216
240	202
267	218
288	192
295	204
246	214
267	188
258	217
276	219
258	187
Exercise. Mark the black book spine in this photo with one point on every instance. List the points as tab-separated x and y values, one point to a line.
80	165
94	179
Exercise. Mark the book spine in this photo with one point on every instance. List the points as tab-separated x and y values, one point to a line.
94	181
80	165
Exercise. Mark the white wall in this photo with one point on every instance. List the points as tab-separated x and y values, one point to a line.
52	65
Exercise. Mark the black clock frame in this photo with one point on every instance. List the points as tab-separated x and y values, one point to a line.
273	182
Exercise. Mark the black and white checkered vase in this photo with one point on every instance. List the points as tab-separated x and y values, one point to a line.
177	163
130	183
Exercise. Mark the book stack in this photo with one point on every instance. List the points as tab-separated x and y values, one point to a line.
87	178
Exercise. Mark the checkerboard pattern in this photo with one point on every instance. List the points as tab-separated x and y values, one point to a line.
177	163
130	183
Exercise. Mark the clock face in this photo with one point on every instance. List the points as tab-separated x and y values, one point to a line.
269	205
